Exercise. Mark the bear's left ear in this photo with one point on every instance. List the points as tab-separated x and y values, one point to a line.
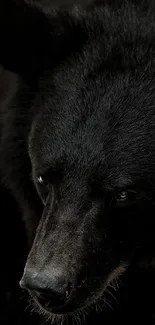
31	33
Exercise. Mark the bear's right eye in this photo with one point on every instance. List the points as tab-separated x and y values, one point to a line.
43	188
41	180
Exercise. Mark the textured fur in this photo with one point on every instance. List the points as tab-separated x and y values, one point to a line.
85	123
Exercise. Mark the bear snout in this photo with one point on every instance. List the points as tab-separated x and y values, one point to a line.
51	290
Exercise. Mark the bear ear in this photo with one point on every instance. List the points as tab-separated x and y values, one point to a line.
32	31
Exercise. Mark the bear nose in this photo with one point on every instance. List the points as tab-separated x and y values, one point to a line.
51	292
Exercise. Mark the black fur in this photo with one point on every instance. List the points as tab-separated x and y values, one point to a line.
85	123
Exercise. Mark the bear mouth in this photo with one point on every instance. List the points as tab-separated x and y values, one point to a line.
97	301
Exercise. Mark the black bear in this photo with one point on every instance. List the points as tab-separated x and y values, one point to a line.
78	144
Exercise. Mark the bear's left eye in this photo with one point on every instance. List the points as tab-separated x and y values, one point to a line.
122	196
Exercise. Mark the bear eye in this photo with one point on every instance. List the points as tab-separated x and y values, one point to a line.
122	196
43	188
41	180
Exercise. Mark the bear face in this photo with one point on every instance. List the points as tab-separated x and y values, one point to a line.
91	149
89	152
